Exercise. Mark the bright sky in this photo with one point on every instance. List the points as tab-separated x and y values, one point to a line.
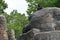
20	5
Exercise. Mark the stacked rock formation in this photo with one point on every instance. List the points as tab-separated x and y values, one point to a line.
43	25
3	28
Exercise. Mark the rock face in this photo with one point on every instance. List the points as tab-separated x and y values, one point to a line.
51	35
43	25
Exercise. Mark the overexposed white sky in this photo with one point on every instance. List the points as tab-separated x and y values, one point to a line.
20	5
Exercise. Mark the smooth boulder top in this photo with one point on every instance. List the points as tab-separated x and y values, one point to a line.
44	11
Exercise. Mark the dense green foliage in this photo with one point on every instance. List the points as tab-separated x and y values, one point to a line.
32	4
15	20
3	6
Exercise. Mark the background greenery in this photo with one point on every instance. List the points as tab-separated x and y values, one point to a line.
17	20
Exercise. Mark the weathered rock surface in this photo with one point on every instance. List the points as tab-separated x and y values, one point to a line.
53	35
37	35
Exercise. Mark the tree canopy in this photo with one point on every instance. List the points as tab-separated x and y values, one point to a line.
32	4
15	20
3	6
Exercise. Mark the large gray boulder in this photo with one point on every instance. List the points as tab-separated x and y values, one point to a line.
46	19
